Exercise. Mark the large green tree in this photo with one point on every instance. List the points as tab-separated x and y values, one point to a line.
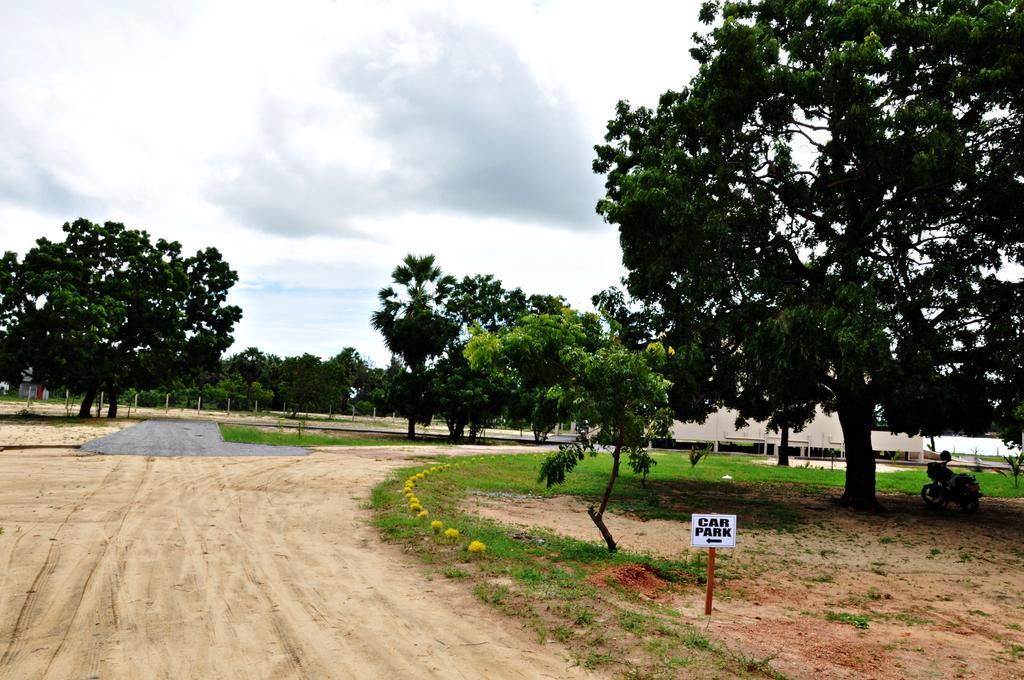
252	366
106	308
470	397
357	374
305	383
416	330
843	177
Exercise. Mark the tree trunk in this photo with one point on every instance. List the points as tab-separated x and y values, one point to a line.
598	516
605	534
784	446
856	419
85	410
456	430
112	406
412	427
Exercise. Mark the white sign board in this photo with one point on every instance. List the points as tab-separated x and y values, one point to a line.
713	531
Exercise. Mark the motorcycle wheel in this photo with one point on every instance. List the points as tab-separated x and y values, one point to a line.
932	495
969	506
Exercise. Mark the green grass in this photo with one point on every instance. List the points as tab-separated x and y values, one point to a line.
856	620
292	437
703	485
675	489
544	583
15	398
543	580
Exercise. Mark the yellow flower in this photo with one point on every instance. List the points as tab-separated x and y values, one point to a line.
451	533
476	547
436	525
422	514
415	507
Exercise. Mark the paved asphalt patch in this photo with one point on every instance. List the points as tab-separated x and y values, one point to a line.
181	438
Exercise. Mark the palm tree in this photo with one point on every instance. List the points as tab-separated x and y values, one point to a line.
413	327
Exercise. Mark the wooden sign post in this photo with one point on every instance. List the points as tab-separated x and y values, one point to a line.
711	532
711	582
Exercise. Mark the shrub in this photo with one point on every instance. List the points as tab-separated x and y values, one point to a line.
697	455
1016	467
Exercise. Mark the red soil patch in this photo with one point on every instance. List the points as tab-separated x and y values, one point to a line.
640	578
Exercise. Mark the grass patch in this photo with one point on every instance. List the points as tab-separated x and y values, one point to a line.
856	620
242	434
675	489
547	585
544	580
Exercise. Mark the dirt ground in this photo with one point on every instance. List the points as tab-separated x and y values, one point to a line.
941	594
135	567
34	435
340	421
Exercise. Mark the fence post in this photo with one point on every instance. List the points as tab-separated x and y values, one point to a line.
229	406
199	405
167	403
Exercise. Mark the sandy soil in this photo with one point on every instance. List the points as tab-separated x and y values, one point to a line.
133	567
943	593
35	434
381	423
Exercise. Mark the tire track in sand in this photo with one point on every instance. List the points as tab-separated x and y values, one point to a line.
28	608
79	597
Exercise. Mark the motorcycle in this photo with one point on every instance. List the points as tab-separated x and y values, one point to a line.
947	487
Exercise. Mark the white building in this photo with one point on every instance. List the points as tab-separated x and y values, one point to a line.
821	434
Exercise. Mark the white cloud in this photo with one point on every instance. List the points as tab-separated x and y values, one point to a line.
316	144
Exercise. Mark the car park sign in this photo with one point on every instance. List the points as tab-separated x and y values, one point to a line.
713	531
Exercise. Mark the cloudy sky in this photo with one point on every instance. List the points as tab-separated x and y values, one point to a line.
315	143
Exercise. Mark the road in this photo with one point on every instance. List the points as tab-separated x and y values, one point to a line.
181	438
